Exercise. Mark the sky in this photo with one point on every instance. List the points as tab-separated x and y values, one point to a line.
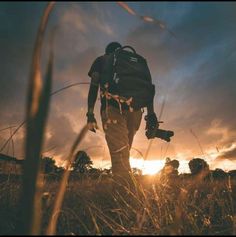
194	75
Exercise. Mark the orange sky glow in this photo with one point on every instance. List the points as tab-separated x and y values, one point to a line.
153	165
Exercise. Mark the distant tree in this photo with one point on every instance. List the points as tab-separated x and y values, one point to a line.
59	170
185	176
197	165
82	162
94	172
171	166
232	174
173	163
167	160
48	165
170	169
219	174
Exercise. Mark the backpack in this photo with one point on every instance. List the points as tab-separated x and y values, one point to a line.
126	78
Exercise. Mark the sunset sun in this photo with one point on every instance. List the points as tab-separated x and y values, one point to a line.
147	166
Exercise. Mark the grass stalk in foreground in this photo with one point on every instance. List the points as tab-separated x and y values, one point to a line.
51	230
36	116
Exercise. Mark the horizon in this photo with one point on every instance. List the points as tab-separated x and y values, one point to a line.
148	167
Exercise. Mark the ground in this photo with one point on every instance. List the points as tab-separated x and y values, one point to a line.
178	206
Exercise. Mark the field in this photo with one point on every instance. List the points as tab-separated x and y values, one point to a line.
174	206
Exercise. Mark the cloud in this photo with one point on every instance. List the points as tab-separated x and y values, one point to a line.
194	73
228	153
225	158
86	20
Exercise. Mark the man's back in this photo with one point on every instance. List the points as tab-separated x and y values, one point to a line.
99	66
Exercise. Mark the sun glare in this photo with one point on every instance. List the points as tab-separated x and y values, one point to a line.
151	167
147	166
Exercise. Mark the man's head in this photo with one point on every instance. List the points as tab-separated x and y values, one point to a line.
111	47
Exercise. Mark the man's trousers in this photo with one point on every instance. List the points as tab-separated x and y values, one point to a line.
120	129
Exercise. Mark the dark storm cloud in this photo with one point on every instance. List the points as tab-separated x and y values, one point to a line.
196	71
74	52
17	34
19	23
231	155
61	133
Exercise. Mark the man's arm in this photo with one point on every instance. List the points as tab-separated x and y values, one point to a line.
150	108
94	73
93	91
151	118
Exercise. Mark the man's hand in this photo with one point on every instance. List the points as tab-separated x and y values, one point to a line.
151	125
151	121
91	121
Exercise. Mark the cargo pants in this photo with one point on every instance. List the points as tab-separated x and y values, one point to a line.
120	129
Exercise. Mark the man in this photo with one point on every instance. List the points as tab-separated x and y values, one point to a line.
119	123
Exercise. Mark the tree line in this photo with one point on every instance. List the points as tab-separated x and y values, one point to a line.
83	165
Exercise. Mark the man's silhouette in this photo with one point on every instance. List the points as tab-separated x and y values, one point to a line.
119	123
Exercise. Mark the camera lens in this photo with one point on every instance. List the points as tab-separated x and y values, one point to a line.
160	133
164	134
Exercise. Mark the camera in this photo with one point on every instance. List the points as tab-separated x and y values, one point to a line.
160	133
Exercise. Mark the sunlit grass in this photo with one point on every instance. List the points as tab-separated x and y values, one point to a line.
147	166
168	207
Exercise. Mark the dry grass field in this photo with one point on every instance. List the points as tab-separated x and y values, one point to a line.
178	206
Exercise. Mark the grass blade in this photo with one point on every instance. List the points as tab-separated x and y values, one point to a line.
36	116
60	196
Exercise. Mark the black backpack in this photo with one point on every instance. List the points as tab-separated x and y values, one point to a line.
126	78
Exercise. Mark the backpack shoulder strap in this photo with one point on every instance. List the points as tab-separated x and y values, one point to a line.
107	68
129	47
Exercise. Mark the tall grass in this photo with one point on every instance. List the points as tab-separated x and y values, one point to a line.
38	101
173	206
170	207
36	117
61	191
159	120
